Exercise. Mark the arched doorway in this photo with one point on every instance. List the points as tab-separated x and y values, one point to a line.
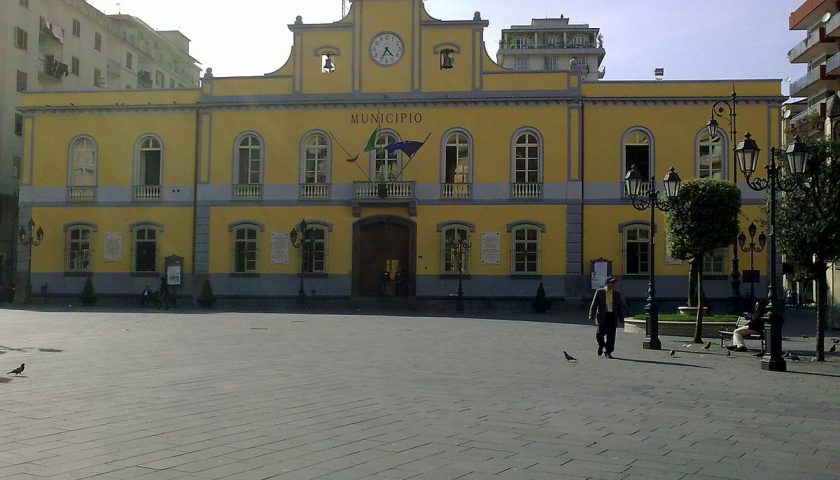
384	243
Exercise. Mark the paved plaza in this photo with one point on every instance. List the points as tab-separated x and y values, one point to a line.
248	396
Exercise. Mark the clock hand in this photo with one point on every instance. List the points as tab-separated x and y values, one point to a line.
388	52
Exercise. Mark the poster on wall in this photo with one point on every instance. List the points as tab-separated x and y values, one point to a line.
491	252
113	247
279	248
601	268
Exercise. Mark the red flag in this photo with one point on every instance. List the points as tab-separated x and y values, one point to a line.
351	160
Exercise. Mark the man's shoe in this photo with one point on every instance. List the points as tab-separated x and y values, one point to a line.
607	355
600	351
741	349
731	347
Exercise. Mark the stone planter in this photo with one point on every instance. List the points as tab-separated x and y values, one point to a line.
678	329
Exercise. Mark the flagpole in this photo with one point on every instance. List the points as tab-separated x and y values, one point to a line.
412	156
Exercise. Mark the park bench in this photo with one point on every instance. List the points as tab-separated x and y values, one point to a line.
742	321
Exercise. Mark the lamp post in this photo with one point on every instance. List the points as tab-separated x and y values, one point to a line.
459	248
30	238
300	238
752	249
645	196
728	113
777	179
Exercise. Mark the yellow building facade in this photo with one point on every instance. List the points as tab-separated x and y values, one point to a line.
524	168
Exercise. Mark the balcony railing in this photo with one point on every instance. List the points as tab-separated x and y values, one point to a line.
455	190
526	190
81	194
832	64
388	189
812	39
247	191
314	191
511	45
832	25
806	80
147	192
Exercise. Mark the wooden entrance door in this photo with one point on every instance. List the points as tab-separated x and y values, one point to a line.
383	243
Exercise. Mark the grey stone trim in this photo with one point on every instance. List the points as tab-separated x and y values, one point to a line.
510	226
70	225
646	223
440	226
446	45
202	239
327	49
239	223
145	223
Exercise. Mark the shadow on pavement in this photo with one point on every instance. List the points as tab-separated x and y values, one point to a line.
813	373
656	362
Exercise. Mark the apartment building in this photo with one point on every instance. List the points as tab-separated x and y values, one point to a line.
553	44
68	45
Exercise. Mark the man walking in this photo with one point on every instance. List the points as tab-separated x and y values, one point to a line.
605	311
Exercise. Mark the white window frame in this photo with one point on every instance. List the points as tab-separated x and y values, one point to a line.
386	166
145	228
253	167
448	234
641	236
84	244
461	142
714	263
316	156
520	64
318	250
709	164
147	145
532	249
83	158
527	140
250	263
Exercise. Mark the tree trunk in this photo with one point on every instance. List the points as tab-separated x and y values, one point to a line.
692	283
698	330
822	306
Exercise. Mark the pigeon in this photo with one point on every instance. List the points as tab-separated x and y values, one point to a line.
708	345
18	370
794	357
673	352
729	353
835	340
569	357
833	348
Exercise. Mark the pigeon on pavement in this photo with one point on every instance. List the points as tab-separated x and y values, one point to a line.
729	353
794	357
673	353
569	357
708	345
18	370
833	348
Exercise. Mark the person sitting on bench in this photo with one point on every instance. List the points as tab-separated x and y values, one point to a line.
754	327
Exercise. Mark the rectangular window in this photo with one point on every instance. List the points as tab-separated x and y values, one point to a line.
78	249
521	64
171	83
77	28
713	263
98	81
97	41
23	3
245	250
525	251
637	250
455	261
21	39
550	64
159	78
74	66
16	166
145	250
129	60
21	81
18	124
315	250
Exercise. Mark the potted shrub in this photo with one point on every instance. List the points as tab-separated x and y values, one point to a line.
540	302
88	296
206	299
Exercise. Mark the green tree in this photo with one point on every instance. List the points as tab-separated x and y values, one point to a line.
703	218
808	223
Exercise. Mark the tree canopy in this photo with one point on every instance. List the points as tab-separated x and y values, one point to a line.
703	218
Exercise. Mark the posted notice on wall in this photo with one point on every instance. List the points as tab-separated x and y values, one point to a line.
491	248
599	275
173	275
113	247
279	248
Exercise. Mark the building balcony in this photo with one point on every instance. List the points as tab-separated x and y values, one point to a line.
832	27
813	82
526	191
314	191
832	65
455	190
809	13
53	69
247	191
147	192
816	45
113	68
85	193
387	189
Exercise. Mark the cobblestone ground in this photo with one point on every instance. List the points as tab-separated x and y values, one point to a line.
343	397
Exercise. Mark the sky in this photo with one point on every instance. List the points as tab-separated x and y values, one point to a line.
725	39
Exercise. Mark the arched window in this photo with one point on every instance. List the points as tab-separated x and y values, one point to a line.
245	248
527	165
386	164
82	162
710	155
78	238
249	160
145	239
636	249
637	145
316	159
457	155
149	161
453	260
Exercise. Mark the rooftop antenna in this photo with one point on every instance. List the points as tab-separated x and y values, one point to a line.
118	9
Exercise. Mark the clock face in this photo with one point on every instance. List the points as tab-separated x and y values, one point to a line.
386	48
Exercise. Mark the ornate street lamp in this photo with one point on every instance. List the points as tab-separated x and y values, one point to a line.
30	238
777	179
645	196
459	248
752	249
725	109
301	237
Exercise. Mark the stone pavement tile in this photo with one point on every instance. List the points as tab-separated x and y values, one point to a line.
442	473
306	473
